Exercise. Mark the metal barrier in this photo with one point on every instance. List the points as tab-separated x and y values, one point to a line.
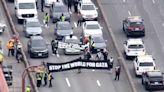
120	58
10	21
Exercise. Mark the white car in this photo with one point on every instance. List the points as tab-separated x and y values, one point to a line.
50	2
143	63
134	47
88	10
91	28
75	45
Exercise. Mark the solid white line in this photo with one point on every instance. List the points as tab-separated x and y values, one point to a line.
163	24
129	13
98	83
93	70
75	24
68	83
124	1
153	1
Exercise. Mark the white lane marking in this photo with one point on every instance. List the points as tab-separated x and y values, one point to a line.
153	1
98	83
70	12
75	24
93	70
129	13
124	1
68	83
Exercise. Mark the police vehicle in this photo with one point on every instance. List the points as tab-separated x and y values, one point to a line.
134	26
143	63
134	47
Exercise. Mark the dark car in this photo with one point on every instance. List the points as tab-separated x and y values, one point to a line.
134	26
63	29
153	80
37	47
99	43
56	11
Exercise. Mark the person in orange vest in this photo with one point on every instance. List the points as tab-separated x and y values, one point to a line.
10	46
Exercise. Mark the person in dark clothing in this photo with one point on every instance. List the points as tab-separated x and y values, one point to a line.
87	55
54	46
39	79
117	72
105	54
37	4
70	2
45	78
18	55
50	78
76	2
42	5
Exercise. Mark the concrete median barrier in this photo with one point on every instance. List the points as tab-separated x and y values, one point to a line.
13	29
120	56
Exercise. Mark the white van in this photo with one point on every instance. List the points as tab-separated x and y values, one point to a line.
25	9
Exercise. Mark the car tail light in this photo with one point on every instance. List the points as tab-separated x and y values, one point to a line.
141	28
130	28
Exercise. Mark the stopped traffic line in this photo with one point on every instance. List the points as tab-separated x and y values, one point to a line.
67	81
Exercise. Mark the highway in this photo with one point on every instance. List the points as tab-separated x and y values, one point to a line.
70	81
17	68
152	11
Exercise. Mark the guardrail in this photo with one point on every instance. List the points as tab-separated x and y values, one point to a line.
13	29
121	59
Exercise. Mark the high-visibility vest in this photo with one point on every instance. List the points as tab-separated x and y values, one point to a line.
46	18
1	58
28	89
62	18
50	77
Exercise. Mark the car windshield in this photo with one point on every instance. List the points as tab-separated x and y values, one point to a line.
146	64
74	41
93	26
26	6
155	78
64	27
38	44
88	7
60	9
136	24
136	46
33	24
98	39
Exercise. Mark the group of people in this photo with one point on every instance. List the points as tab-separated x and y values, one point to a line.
14	48
44	76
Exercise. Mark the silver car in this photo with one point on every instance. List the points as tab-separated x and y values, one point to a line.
32	27
75	42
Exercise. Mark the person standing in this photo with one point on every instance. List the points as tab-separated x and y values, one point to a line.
39	79
105	54
69	5
111	60
99	55
80	20
45	78
87	55
62	17
117	72
50	78
46	19
18	55
54	45
10	46
42	5
76	2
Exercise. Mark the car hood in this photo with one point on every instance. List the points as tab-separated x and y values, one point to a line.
58	14
64	32
27	11
100	45
93	32
89	12
39	49
35	30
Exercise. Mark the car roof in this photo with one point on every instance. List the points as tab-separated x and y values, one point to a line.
25	1
36	37
86	1
134	41
145	58
154	73
92	22
59	4
135	19
32	20
73	37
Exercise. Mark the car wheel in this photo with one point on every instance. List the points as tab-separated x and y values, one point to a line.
126	57
31	56
146	87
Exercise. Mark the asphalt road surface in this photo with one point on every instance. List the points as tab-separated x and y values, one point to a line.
17	68
70	81
152	11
